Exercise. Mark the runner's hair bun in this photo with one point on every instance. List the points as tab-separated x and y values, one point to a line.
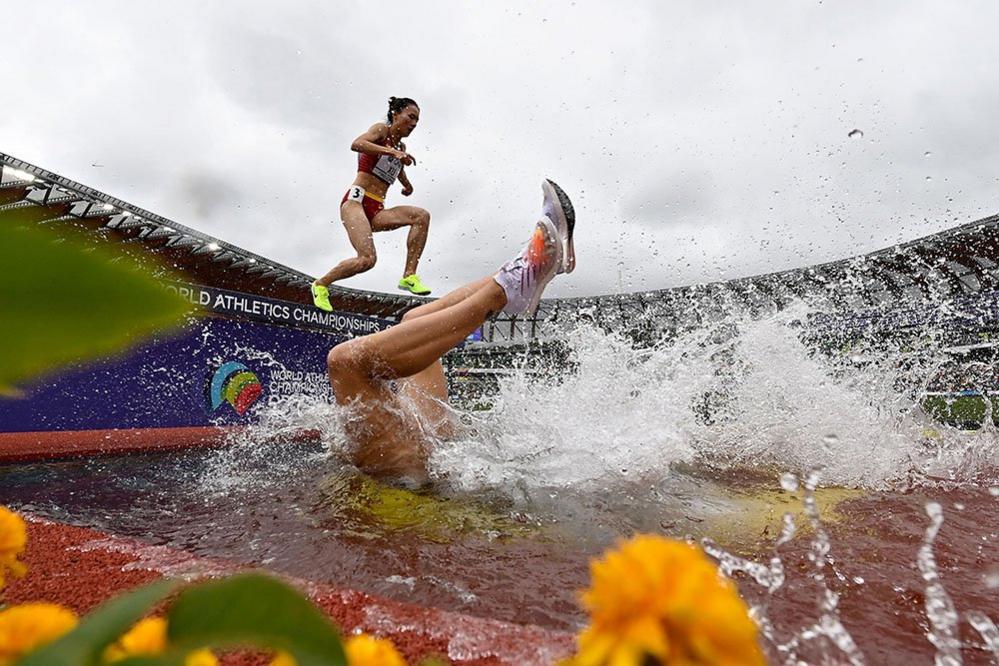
397	104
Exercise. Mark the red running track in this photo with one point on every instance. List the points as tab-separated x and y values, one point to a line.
80	568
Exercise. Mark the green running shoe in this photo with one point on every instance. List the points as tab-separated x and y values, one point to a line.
321	297
413	285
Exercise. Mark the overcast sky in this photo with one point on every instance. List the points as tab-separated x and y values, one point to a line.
699	141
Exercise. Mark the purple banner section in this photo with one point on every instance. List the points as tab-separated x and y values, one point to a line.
216	371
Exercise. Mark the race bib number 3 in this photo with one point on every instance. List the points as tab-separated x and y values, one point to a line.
356	194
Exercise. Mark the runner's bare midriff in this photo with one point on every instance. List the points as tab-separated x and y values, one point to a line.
371	184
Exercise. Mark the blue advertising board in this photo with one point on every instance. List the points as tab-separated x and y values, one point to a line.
243	353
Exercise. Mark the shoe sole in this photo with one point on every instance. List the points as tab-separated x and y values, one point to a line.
565	223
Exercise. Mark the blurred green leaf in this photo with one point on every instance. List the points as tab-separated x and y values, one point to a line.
254	610
84	645
62	301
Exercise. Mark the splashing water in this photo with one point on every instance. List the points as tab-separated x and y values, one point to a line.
755	397
987	628
939	608
773	576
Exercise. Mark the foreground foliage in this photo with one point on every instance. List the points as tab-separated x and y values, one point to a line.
64	301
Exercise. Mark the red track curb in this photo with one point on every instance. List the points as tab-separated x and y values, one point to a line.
34	446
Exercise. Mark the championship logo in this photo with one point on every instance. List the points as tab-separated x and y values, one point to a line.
233	383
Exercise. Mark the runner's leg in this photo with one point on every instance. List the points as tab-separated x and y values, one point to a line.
418	221
359	232
428	388
456	296
418	342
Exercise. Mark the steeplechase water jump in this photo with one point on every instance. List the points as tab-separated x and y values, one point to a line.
440	473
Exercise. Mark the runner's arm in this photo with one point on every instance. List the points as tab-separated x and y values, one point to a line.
412	160
407	187
369	142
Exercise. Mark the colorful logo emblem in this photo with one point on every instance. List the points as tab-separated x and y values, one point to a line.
233	383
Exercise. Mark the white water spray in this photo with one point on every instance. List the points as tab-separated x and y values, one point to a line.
740	394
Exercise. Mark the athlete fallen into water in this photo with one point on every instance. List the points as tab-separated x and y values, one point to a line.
381	159
393	381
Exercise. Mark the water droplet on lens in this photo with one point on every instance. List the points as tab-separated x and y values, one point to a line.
855	134
830	440
788	482
934	510
927	154
858	580
992	579
929	178
959	506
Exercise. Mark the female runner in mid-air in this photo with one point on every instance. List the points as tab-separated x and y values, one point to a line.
382	158
393	381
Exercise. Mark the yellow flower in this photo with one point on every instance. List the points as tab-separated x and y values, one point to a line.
13	538
664	599
362	650
201	658
149	638
26	627
282	658
365	650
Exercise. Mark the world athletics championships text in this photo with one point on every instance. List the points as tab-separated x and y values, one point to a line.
228	303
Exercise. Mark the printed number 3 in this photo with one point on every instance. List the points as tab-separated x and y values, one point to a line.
357	193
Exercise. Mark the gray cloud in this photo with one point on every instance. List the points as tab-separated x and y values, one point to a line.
663	199
698	141
209	194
